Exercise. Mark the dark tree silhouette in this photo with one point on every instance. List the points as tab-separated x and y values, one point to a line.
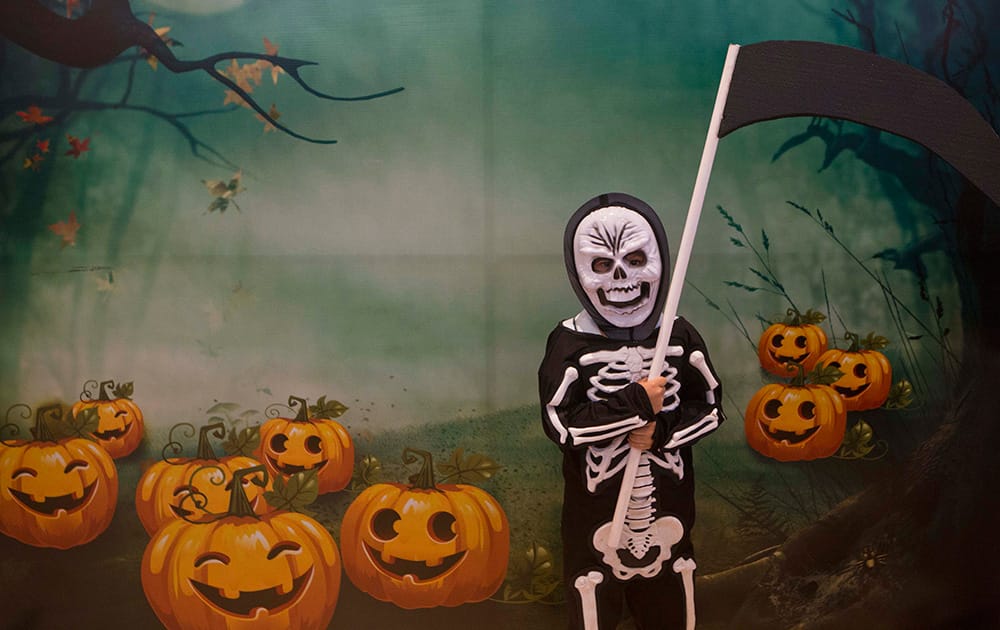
107	28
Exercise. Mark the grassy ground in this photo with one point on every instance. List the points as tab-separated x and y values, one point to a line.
98	584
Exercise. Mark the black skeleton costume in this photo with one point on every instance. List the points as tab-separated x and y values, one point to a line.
616	257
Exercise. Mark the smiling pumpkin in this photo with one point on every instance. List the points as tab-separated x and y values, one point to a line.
277	571
424	545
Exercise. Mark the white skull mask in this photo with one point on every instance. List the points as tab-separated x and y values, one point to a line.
618	263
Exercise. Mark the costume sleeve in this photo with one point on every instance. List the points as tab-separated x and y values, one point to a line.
700	411
569	417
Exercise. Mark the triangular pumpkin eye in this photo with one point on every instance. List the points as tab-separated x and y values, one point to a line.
772	408
807	410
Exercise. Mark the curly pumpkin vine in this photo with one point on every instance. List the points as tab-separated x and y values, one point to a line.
178	487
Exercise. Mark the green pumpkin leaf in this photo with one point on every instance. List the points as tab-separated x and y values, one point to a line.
824	374
874	342
900	395
123	390
83	424
295	493
242	442
531	575
857	442
366	473
329	409
468	468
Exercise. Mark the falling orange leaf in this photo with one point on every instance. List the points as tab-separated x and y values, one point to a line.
272	50
274	114
78	146
233	97
33	162
67	229
42	145
34	115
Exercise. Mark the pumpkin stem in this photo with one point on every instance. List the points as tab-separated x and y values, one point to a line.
239	504
793	317
799	379
303	413
424	478
102	390
855	341
42	430
204	446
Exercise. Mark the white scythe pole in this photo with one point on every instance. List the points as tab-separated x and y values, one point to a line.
677	279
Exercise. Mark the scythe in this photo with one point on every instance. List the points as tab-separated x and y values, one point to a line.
781	79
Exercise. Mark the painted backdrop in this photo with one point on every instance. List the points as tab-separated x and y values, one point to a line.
164	245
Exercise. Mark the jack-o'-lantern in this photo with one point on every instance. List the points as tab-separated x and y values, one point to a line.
243	571
425	545
195	489
121	428
797	339
309	442
797	421
867	374
55	491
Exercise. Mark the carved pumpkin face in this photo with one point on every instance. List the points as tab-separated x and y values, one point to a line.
794	423
281	570
288	446
425	547
120	426
783	344
56	494
866	380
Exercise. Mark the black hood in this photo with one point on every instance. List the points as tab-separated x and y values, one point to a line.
646	328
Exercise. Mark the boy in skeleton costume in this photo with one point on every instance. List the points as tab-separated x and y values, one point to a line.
598	399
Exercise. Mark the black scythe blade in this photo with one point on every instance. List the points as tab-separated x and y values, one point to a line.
779	79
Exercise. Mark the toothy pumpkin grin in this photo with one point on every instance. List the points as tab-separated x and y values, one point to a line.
270	599
291	469
51	505
851	392
420	570
783	359
113	434
791	437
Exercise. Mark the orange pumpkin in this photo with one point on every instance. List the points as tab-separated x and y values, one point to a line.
304	443
796	421
55	492
121	428
797	339
195	489
867	373
425	545
243	571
